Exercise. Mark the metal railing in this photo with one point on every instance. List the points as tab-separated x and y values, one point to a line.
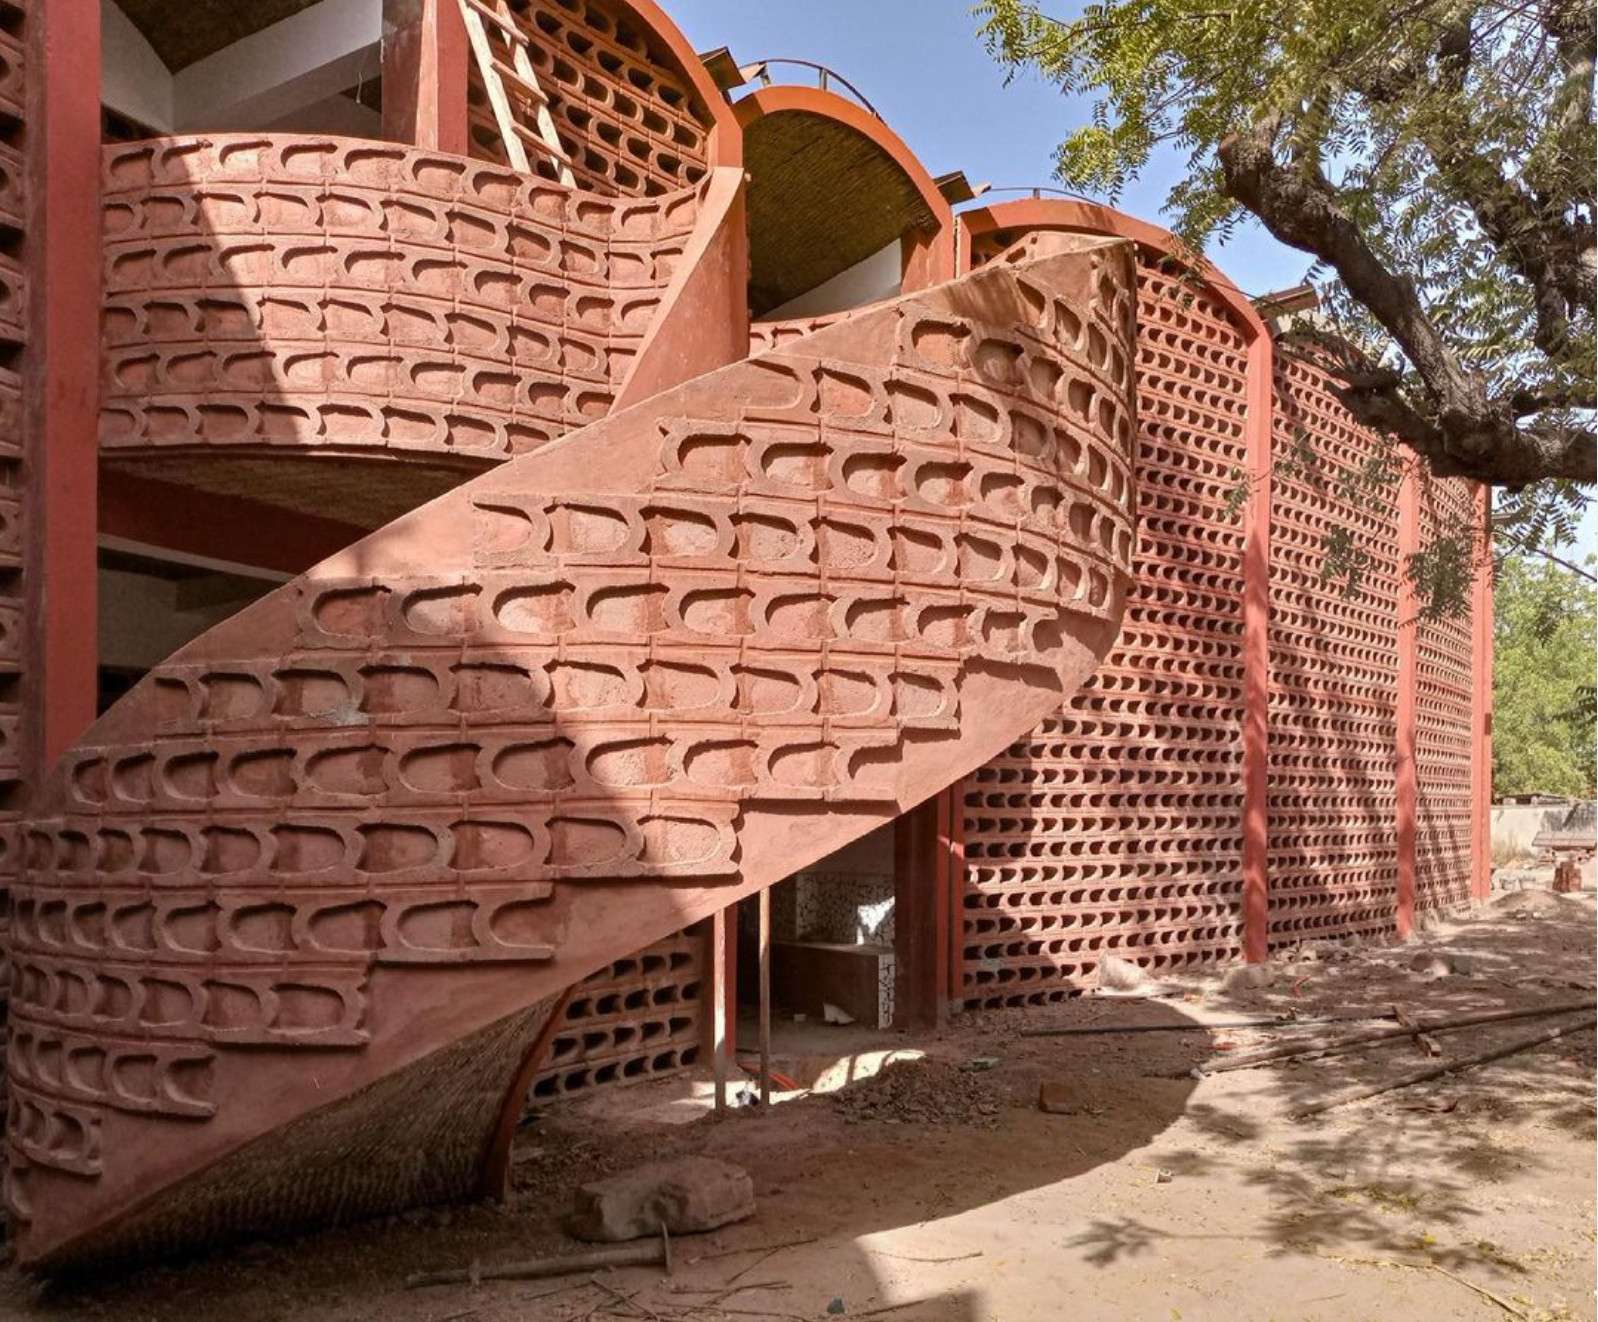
760	71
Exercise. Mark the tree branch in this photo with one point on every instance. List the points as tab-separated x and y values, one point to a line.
1526	548
1540	243
1462	431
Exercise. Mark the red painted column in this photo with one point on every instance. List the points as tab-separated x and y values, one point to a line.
1256	649
1481	714
921	913
955	847
942	876
424	74
61	373
1408	623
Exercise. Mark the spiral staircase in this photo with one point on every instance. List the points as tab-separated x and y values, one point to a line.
681	622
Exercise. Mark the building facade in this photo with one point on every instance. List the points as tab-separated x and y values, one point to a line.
515	488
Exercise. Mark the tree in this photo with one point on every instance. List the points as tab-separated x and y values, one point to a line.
1544	658
1434	157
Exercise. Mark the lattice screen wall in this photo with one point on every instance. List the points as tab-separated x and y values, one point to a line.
633	1019
1332	844
630	122
1442	723
1115	828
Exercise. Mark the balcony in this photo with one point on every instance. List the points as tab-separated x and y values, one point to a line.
298	306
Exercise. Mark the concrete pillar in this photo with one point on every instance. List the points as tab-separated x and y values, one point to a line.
61	374
1256	647
424	74
1481	713
1408	629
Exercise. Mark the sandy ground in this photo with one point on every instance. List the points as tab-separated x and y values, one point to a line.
1162	1198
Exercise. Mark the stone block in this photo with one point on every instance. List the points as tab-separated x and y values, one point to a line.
685	1196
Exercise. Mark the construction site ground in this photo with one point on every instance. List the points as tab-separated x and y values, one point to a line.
935	1191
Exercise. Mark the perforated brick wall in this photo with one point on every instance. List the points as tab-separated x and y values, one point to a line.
625	115
1442	721
1332	844
1114	828
637	1018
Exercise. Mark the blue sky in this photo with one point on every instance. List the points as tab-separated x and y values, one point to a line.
920	63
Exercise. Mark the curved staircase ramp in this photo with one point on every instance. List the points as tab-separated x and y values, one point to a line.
292	910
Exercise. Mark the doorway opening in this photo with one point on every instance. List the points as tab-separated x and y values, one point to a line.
833	941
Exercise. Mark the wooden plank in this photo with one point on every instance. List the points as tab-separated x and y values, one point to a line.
495	16
532	91
531	138
765	996
718	1006
546	121
472	16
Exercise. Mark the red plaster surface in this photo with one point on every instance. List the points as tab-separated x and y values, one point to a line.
13	304
572	706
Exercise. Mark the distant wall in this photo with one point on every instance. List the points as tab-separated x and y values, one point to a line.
1515	825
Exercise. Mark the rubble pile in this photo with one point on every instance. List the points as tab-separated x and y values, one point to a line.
923	1092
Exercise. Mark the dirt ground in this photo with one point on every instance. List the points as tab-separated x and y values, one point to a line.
932	1193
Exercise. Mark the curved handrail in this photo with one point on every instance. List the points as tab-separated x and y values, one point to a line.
825	77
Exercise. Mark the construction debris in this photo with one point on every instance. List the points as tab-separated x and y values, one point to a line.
1121	975
636	1255
684	1197
1248	977
1204	1026
1437	1071
1434	965
1297	1051
922	1092
1066	1097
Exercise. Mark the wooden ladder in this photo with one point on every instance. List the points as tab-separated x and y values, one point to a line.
518	73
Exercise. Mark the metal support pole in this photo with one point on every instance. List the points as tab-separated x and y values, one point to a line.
718	1006
765	997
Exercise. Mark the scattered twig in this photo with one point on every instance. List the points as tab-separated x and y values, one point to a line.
626	1255
1437	1071
1338	1045
1197	1026
891	1308
631	1300
1484	1292
756	1248
717	1295
753	1263
910	1257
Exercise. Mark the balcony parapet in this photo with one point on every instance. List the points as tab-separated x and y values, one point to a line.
280	292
